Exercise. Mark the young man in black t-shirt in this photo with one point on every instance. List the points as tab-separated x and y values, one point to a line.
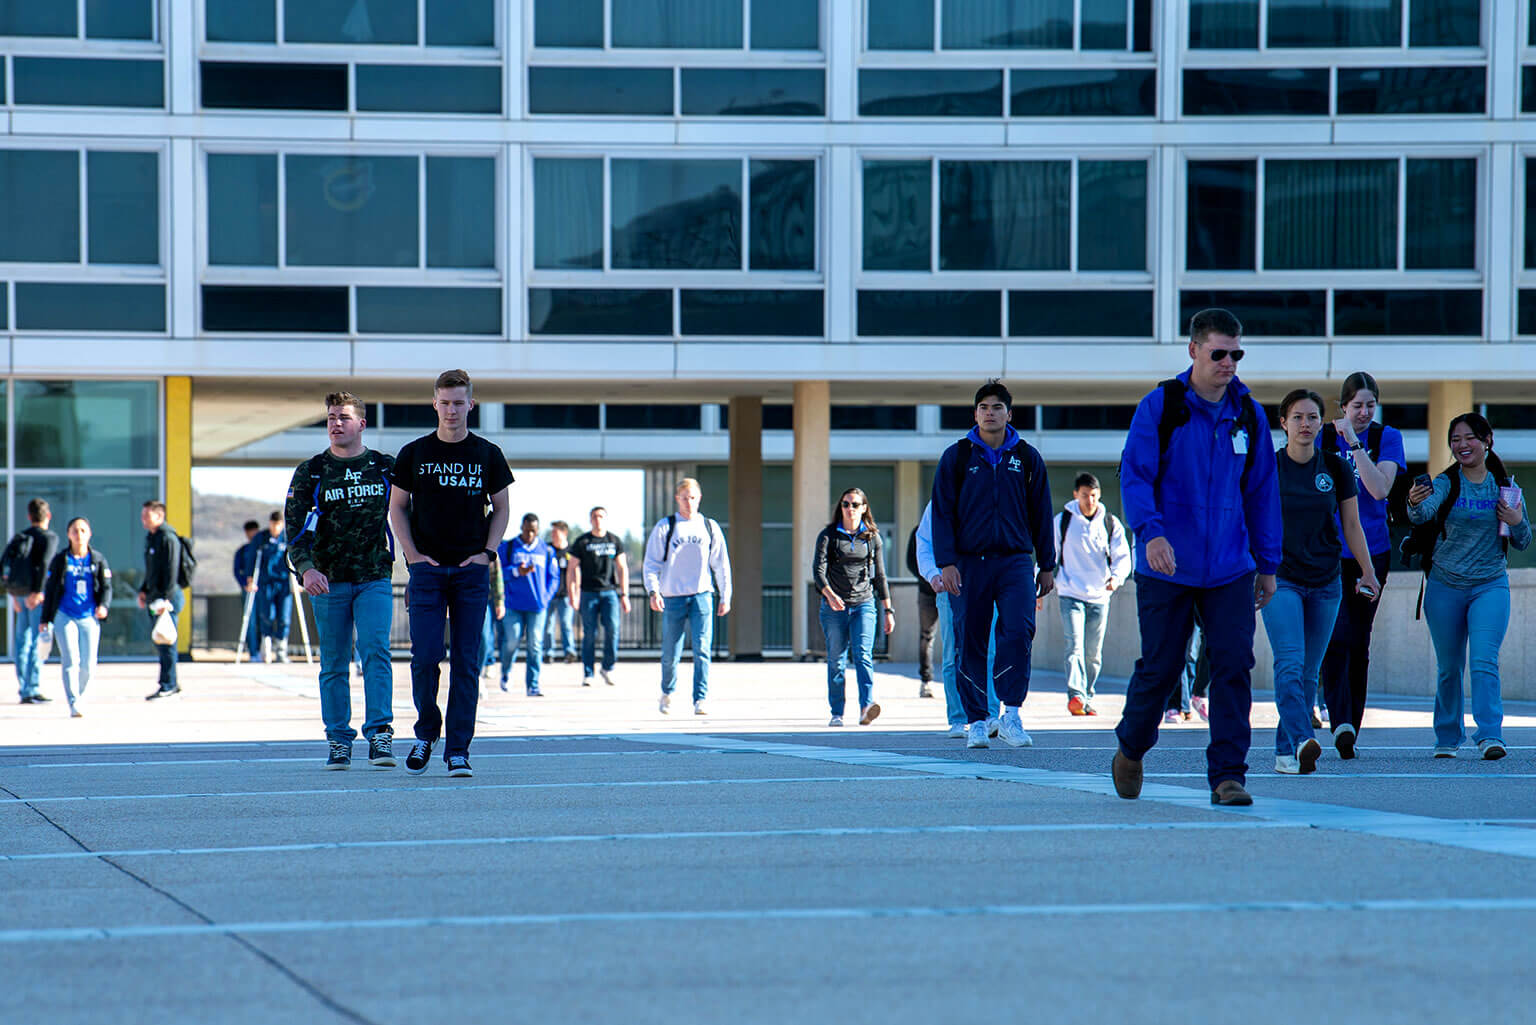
598	584
448	509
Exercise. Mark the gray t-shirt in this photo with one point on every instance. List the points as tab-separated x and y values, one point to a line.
1470	554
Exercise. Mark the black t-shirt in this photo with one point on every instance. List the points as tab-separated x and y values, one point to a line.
451	484
598	558
1310	494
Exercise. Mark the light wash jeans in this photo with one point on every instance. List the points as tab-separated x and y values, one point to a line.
698	612
1299	621
77	640
29	670
1082	629
525	627
560	614
850	635
953	709
1474	618
360	611
600	607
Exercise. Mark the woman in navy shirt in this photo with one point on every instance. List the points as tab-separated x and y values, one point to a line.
75	600
1375	452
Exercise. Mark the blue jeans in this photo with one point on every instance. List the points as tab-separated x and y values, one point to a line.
274	605
1459	619
491	638
850	632
698	611
994	612
1082	630
560	612
1166	612
524	626
167	652
454	596
1299	620
29	671
252	625
599	607
361	611
953	709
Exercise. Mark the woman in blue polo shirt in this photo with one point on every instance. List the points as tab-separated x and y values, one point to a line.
849	570
1375	451
75	601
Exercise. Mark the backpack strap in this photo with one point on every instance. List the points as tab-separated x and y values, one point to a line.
1248	420
962	463
1373	441
1061	544
1175	415
671	529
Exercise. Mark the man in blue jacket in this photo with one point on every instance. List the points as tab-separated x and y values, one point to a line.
992	522
1201	493
531	571
246	575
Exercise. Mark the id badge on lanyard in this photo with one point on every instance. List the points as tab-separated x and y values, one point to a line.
1240	442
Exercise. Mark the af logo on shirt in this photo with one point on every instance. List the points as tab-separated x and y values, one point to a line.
1014	464
1324	482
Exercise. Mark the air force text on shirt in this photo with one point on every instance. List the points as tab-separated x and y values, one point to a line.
355	488
455	475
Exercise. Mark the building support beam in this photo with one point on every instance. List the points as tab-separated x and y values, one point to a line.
178	481
1447	400
910	499
745	471
812	485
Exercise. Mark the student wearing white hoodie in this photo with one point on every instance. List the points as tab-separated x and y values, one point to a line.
682	552
1095	561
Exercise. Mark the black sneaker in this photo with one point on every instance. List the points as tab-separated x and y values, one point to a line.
341	756
458	765
381	750
421	754
40	699
163	692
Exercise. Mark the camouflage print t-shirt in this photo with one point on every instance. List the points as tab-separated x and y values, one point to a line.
347	542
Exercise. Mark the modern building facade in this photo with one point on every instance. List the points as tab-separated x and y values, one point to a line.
774	244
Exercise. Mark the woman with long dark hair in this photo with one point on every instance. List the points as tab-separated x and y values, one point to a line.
1466	596
75	601
1375	453
849	570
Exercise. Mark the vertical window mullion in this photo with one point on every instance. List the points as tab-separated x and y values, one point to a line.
1333	92
282	210
421	24
938	30
421	212
351	310
607	223
282	16
933	215
1263	25
1328	312
1258	215
1404	26
677	312
1072	206
1402	212
746	213
85	211
80	31
746	24
1130	26
607	26
1077	25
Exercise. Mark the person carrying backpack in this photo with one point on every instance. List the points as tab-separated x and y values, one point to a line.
24	564
1474	513
849	570
1095	561
1201	495
162	586
681	554
75	601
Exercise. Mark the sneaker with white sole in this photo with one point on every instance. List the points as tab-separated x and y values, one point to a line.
976	734
665	704
1445	750
957	731
340	756
586	681
1491	750
1308	754
1201	708
1287	764
698	708
1344	740
836	720
458	766
1171	716
421	754
1011	731
381	750
607	677
992	726
869	714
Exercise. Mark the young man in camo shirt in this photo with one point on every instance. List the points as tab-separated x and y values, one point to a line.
340	548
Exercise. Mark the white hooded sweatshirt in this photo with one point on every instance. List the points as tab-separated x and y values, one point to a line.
1094	553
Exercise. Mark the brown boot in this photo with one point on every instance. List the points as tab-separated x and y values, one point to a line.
1230	792
1127	776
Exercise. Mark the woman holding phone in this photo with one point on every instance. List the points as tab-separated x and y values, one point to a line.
75	601
1375	453
849	570
1317	492
1466	596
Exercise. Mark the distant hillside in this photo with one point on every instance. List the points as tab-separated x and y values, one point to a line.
217	533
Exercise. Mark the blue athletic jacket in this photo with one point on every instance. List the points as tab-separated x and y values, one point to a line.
531	591
1219	530
1003	508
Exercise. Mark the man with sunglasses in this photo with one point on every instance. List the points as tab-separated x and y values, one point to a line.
1201	492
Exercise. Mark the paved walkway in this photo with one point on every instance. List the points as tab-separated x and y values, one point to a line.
187	861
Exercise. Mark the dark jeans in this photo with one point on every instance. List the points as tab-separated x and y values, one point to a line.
1166	612
927	623
167	652
274	609
1347	664
457	595
1005	583
599	607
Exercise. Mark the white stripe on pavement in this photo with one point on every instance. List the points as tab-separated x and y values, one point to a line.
131	932
316	760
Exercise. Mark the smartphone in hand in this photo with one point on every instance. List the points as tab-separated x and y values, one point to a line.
1423	480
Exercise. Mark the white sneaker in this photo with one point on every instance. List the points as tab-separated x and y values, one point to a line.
586	681
957	731
837	720
976	734
698	708
992	727
1011	731
665	704
607	677
1287	764
1307	755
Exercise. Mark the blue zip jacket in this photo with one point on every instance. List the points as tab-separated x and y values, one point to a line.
1219	530
245	560
530	592
1003	506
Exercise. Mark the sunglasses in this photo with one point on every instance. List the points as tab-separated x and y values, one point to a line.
1217	355
852	505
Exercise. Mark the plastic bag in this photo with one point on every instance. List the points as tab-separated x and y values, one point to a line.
165	629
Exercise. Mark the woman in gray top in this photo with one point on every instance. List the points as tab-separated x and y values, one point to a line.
1466	598
849	570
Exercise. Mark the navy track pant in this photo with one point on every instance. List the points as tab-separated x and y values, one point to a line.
1006	583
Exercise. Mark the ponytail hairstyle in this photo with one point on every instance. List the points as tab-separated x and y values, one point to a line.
868	517
1356	383
1483	430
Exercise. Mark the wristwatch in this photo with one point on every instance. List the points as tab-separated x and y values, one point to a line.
491	552
1356	447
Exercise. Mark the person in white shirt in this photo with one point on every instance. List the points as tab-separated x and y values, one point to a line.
1095	561
928	567
682	553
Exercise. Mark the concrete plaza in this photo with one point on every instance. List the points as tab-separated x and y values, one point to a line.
188	861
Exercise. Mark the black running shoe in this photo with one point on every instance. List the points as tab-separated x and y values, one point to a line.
458	765
421	754
381	750
163	692
341	756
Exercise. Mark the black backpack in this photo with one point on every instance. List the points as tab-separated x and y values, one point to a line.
1328	440
186	564
1066	521
1421	540
710	527
16	564
1176	414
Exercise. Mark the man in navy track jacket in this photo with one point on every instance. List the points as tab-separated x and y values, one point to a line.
1206	515
992	522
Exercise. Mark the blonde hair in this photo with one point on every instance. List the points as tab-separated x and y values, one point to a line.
685	484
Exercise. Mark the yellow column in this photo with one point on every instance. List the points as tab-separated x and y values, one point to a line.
178	480
812	482
1447	400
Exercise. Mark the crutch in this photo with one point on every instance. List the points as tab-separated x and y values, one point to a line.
298	604
245	617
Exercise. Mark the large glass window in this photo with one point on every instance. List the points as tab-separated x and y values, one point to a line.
344	211
676	214
1330	214
678	24
88	425
88	82
242	209
1009	24
568	214
104	19
1004	215
122	201
40	215
1234	24
898	215
354	23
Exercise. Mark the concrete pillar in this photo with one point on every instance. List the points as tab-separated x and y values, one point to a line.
812	482
910	499
1447	400
746	519
178	484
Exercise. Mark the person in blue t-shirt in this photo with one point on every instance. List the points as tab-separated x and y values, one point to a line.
531	572
1376	453
75	601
